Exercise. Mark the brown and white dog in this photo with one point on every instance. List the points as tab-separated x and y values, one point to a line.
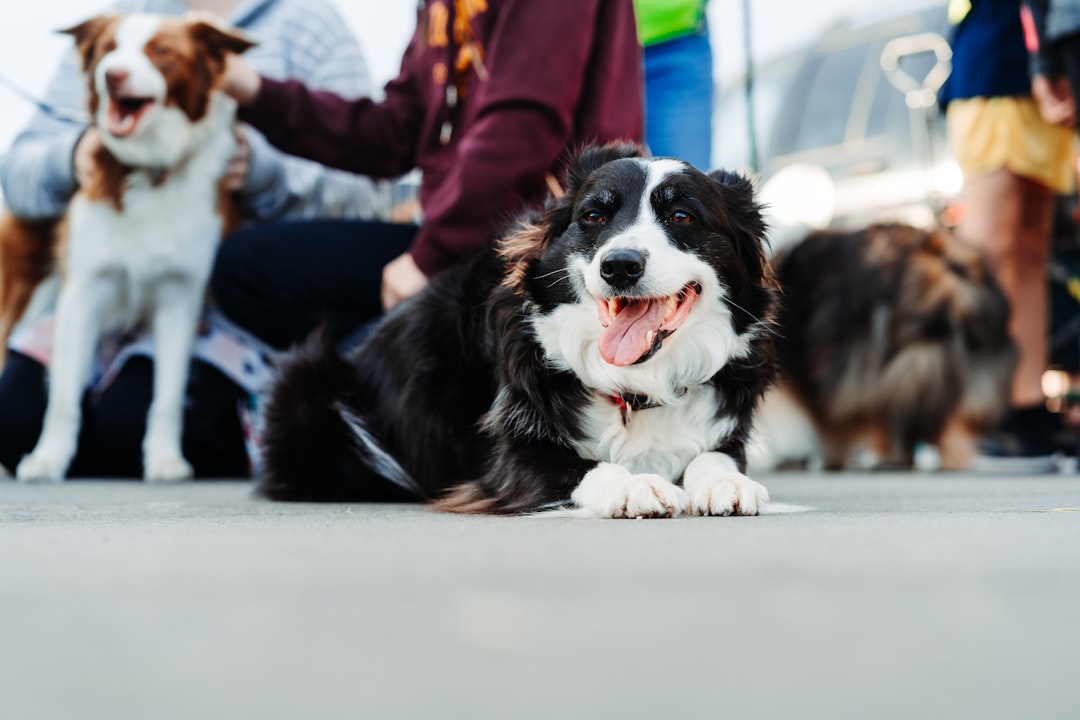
142	233
889	337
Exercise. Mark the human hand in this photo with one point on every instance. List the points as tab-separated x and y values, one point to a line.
83	156
241	82
239	164
1054	98
401	280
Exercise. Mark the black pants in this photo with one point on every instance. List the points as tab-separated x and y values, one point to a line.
281	281
113	425
278	281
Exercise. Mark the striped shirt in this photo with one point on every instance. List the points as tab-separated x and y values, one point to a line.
302	39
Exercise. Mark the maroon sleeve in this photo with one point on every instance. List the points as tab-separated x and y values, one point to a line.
538	58
361	136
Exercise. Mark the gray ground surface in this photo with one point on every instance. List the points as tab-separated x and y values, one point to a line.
895	597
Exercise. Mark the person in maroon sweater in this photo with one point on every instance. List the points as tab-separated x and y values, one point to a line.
492	96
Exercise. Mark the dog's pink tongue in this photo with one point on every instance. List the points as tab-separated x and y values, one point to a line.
119	123
625	339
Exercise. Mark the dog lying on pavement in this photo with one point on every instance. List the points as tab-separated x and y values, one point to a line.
609	353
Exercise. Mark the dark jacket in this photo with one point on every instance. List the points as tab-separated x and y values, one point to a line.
990	58
535	80
1054	21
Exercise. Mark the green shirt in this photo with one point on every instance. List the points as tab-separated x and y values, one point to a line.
660	20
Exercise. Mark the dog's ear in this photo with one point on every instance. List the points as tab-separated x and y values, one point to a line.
736	183
519	249
216	40
86	36
590	159
747	225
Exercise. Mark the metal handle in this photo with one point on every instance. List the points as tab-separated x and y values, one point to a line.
917	93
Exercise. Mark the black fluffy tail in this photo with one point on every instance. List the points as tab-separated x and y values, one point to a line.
318	446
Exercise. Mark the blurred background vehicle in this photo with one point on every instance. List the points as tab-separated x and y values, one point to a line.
847	131
876	133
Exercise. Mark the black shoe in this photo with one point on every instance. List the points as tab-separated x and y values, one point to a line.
1030	440
1041	431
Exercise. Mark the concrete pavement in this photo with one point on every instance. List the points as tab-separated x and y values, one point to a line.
895	596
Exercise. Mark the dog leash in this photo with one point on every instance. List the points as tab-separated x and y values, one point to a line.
71	116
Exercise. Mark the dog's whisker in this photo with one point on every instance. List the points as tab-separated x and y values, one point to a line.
553	272
556	281
565	276
768	326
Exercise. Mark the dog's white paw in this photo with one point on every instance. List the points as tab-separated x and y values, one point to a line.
42	467
167	469
715	486
612	491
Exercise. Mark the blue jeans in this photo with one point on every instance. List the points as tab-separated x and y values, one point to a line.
679	99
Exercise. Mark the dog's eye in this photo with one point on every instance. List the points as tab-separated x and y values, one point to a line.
158	51
594	218
681	217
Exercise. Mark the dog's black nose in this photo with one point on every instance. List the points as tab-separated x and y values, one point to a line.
622	268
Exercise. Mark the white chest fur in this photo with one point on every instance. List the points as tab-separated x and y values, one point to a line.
661	440
170	228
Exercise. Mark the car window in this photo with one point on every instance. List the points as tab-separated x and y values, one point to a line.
889	114
828	99
731	142
887	110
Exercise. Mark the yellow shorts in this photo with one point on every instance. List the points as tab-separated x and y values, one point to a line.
991	133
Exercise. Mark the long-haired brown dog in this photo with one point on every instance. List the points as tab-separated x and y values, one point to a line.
889	337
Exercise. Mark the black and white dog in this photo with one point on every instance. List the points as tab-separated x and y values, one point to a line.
608	349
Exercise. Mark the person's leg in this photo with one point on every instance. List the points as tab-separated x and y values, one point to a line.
117	422
22	408
281	281
213	438
679	99
1030	322
23	397
1010	218
214	441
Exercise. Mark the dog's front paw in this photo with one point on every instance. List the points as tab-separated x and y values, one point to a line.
167	469
715	486
612	491
42	467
